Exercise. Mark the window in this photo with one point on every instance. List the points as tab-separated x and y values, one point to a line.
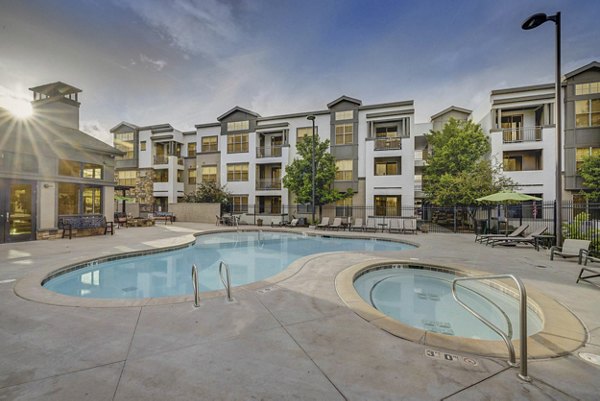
210	144
179	175
237	172
512	163
238	125
143	146
343	170
344	115
587	89
387	205
10	161
91	170
92	200
386	131
191	149
68	198
237	143
582	153
343	207
126	177
522	160
69	168
304	132
161	175
587	113
192	176
124	143
209	174
79	199
239	204
387	167
343	134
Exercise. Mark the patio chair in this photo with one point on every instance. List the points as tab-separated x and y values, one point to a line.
292	223
594	270
571	248
324	223
528	240
516	233
371	225
395	225
337	223
410	225
357	225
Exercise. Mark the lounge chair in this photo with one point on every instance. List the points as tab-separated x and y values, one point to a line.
528	240
586	268
357	225
410	225
324	223
516	233
571	248
371	225
395	225
337	224
292	223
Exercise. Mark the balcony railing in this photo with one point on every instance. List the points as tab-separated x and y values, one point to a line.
161	159
388	144
268	185
515	135
268	151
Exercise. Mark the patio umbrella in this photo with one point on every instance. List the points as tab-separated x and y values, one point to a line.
507	197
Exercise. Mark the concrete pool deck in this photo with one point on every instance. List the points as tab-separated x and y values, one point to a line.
295	339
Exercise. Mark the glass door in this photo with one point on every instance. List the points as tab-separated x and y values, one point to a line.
17	211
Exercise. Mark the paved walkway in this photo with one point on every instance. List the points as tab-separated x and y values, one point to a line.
294	341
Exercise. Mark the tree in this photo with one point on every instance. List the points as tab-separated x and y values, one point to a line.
208	192
298	174
589	170
457	171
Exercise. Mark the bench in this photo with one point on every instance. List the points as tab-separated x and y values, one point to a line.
86	222
166	216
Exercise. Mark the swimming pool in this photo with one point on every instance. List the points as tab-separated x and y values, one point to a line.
422	298
251	256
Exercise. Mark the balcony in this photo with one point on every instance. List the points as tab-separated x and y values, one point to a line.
518	135
268	151
268	185
161	159
388	143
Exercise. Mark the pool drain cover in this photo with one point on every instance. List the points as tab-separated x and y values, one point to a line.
591	358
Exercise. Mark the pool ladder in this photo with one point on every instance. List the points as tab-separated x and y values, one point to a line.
522	320
225	279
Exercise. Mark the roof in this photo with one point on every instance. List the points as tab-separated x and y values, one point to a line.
449	109
523	89
590	66
344	98
124	123
39	133
237	108
55	89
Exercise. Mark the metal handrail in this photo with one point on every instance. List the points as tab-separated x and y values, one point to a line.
522	319
225	280
196	286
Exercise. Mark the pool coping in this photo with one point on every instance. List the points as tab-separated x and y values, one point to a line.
30	287
562	331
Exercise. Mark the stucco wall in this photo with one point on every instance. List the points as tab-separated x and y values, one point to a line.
195	212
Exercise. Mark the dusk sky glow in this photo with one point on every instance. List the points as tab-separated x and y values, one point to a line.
186	62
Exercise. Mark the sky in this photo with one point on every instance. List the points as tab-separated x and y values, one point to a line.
186	62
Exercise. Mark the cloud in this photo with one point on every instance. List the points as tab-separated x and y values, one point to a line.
199	27
95	129
157	64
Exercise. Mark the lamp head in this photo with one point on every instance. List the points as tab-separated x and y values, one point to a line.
534	21
310	117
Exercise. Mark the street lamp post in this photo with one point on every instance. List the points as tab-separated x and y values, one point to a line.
530	23
312	118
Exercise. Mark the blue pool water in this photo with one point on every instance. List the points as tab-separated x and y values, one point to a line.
251	257
423	298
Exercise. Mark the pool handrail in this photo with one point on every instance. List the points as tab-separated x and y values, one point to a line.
226	280
196	286
522	319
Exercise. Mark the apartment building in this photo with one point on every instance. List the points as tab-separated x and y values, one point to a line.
248	153
49	168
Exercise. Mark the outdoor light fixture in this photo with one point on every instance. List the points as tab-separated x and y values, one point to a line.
312	118
530	23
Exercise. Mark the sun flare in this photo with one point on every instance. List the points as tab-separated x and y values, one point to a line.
20	108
